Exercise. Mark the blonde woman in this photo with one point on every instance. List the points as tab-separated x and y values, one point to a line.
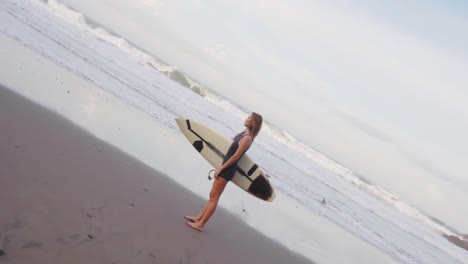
225	173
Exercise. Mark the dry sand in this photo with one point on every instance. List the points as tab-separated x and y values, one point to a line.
68	197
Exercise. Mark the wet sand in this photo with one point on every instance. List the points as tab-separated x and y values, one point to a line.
68	197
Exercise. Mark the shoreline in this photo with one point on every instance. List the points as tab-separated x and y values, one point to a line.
152	143
69	197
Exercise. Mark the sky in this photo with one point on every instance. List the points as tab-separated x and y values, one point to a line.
379	86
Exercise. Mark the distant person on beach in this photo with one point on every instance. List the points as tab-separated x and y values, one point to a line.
225	173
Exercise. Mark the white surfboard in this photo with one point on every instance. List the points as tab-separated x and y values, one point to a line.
214	146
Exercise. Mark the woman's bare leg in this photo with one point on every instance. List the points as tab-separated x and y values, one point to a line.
199	216
203	211
216	190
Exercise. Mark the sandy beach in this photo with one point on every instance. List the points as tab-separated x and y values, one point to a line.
69	197
365	164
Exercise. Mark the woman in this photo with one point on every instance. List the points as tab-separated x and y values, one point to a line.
225	173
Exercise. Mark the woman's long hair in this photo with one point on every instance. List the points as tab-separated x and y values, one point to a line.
257	121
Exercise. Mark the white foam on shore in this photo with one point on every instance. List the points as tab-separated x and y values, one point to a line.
79	21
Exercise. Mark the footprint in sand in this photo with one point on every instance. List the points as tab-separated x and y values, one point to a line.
94	211
93	228
139	256
32	244
6	241
71	239
17	223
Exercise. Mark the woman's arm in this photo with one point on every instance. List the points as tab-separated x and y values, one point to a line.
244	144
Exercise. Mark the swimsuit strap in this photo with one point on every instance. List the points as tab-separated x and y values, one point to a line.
245	134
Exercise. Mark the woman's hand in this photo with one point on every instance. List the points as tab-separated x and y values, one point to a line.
217	172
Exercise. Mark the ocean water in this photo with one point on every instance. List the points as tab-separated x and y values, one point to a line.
137	77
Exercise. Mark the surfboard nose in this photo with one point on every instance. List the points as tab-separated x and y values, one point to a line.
181	122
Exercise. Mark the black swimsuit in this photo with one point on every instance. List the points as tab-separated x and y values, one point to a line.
228	173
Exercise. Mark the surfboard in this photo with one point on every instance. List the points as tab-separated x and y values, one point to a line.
214	146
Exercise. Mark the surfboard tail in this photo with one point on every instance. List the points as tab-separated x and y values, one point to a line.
262	189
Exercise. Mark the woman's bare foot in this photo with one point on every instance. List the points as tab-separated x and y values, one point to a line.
192	219
194	226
